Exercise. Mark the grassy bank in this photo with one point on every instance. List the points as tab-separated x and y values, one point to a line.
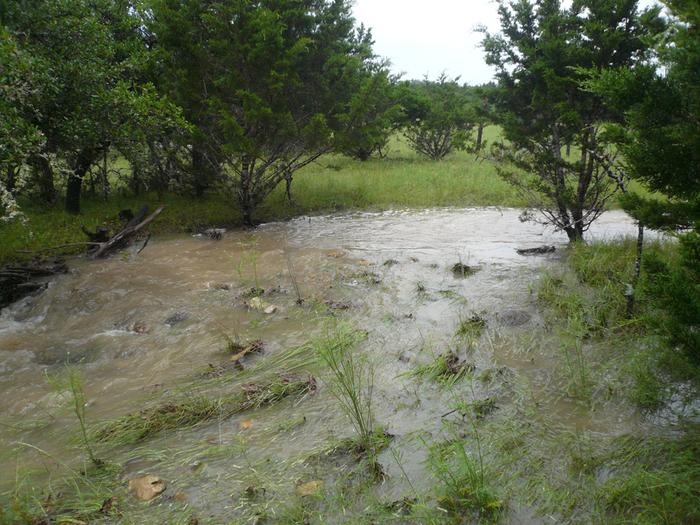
334	183
608	356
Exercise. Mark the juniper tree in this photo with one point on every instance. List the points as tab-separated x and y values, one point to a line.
268	85
438	116
659	141
540	53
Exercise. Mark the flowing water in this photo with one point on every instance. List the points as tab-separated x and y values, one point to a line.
145	327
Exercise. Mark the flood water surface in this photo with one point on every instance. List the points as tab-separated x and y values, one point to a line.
143	328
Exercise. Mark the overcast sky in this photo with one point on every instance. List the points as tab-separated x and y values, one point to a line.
431	36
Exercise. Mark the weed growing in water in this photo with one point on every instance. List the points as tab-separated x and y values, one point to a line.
470	327
446	369
73	381
351	382
292	276
461	270
463	488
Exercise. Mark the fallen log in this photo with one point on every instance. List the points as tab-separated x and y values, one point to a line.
536	251
131	229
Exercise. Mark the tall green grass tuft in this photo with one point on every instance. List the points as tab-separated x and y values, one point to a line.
462	482
351	382
72	380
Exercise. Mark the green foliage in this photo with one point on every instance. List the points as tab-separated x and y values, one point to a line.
674	290
539	55
20	90
372	117
87	58
463	482
660	140
351	383
269	85
438	116
655	481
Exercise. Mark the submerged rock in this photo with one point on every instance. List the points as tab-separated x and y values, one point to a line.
176	318
513	317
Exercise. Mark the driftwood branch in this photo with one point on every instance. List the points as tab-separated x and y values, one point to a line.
123	236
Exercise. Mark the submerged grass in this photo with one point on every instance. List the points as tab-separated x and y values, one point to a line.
446	369
606	353
188	411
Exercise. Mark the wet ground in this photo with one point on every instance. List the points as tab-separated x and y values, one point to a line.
146	327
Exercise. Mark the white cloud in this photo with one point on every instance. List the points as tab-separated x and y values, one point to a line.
429	37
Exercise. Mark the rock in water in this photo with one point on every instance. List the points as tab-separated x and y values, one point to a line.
147	487
176	318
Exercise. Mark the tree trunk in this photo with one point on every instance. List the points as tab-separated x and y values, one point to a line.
245	197
10	182
104	173
135	181
479	136
199	171
574	233
75	182
73	189
288	176
44	178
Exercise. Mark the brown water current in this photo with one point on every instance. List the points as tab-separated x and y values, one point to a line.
144	327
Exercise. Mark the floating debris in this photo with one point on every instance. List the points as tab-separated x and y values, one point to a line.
540	250
258	304
215	234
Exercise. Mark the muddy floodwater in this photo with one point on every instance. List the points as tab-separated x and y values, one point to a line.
142	328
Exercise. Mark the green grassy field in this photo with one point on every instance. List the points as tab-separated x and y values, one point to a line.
333	183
